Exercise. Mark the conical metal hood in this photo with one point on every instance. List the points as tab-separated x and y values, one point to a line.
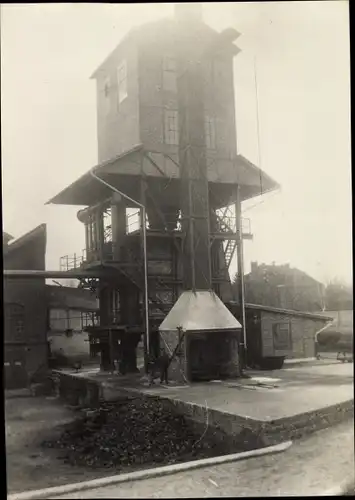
198	311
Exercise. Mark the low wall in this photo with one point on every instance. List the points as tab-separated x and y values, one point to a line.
80	391
270	432
76	391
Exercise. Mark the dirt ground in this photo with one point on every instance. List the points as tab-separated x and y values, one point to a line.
32	420
28	421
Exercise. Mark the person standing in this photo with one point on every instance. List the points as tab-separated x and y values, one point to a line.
164	362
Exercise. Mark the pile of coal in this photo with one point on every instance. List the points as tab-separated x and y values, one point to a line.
133	433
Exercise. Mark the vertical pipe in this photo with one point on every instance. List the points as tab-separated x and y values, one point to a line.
86	239
240	257
146	301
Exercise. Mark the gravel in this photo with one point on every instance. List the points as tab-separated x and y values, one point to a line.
139	433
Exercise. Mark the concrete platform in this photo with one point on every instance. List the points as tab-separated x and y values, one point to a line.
281	404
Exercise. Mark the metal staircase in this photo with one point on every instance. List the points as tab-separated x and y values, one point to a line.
229	252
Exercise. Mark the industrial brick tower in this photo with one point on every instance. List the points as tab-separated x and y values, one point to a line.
167	141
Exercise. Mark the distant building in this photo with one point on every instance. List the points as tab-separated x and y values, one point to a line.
339	297
34	312
284	287
25	310
69	311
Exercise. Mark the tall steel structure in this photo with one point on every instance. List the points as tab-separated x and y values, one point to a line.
167	138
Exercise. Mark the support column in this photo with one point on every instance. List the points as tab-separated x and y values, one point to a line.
193	163
100	233
104	303
118	221
240	258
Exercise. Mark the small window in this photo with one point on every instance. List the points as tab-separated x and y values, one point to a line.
169	74
14	321
282	336
171	127
107	88
210	133
122	82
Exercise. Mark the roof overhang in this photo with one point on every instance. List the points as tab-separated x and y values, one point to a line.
87	191
289	312
122	172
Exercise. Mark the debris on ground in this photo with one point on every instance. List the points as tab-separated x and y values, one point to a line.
136	432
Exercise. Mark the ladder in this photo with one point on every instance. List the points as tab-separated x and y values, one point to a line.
229	252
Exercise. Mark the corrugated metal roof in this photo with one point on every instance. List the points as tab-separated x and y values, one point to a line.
199	310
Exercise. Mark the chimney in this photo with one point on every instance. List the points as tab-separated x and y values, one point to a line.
188	12
254	267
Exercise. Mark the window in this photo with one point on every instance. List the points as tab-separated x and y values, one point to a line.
14	322
92	234
171	127
169	74
281	333
107	223
210	133
122	82
107	87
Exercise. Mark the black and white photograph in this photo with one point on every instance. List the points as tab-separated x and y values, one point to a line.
177	249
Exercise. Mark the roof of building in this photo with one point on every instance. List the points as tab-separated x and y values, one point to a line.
65	297
289	312
16	244
199	311
6	237
165	25
281	268
124	169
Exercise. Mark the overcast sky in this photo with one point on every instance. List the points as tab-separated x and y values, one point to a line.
48	113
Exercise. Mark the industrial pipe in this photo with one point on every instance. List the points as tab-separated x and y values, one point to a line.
30	273
144	230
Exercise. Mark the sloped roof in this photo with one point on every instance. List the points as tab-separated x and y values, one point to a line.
163	27
72	298
281	269
6	237
39	231
199	310
124	169
290	312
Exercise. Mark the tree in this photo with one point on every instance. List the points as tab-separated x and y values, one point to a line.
338	296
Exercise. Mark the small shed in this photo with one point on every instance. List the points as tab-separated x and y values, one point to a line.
202	337
274	334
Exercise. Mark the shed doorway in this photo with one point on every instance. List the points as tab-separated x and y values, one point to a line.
209	355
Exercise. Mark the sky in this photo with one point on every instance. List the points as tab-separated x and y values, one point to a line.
293	72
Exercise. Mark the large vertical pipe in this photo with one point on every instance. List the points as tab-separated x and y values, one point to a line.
145	272
240	258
